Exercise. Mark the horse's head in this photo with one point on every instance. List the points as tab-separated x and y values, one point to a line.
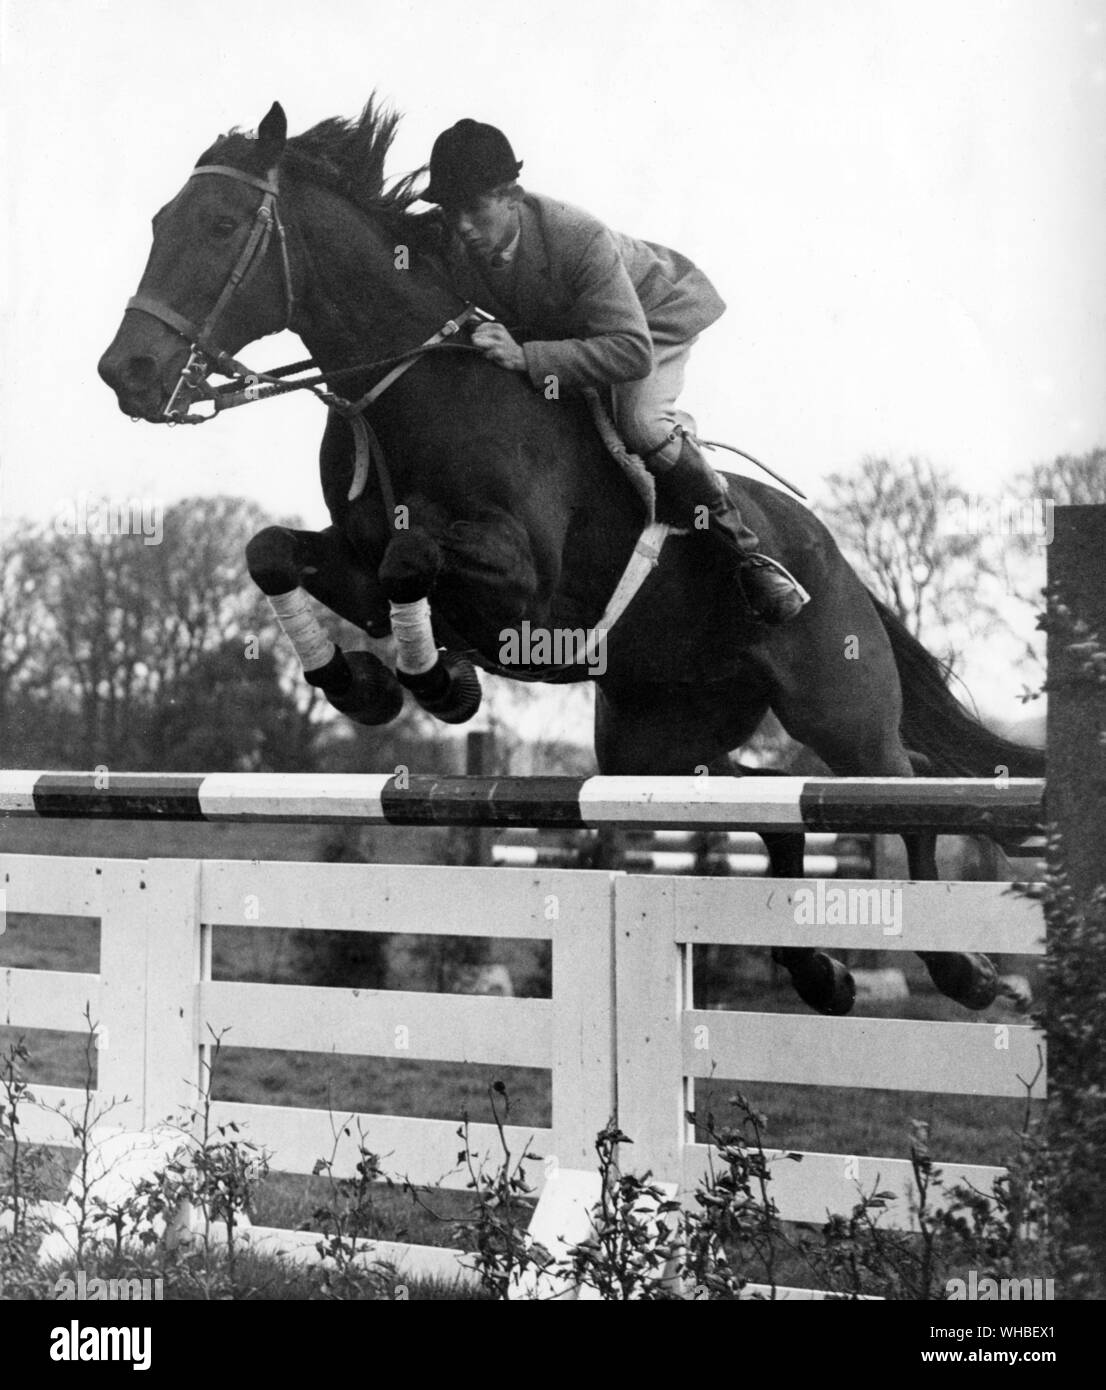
218	277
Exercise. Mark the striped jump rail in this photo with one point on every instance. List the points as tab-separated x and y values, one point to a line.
946	805
683	852
677	861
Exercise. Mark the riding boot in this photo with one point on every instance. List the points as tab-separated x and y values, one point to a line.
690	483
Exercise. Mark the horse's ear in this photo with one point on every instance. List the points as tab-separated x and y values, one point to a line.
272	133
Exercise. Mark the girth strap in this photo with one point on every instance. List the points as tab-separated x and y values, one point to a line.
368	448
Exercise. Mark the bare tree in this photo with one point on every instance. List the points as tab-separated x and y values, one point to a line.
105	636
26	635
1069	480
892	521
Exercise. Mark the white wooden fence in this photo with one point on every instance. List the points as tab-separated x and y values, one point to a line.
619	1034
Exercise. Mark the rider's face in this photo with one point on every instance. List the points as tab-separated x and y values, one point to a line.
486	224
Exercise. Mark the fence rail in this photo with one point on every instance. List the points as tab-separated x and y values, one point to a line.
950	805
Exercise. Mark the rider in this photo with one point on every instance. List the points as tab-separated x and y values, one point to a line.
619	313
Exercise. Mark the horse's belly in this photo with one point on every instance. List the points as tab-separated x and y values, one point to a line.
688	623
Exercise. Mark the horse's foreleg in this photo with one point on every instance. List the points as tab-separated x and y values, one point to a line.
444	684
674	731
283	563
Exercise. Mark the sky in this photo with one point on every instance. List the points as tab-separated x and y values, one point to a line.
903	204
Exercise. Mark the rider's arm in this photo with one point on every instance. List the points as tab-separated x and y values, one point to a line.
614	342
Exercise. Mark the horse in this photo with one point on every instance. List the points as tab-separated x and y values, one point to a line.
499	504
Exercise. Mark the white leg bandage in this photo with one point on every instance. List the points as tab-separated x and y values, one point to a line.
313	647
415	649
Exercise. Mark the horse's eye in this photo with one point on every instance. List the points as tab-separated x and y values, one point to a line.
222	227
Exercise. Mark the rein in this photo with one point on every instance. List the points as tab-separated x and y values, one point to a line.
245	390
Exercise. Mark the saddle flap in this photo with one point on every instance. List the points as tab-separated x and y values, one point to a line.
640	478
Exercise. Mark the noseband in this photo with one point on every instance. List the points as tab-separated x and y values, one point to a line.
204	353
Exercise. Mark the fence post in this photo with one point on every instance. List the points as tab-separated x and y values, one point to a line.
475	841
121	1025
653	991
583	1003
149	962
172	985
1077	694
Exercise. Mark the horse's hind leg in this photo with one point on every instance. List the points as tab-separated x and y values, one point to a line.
671	731
677	730
966	976
820	980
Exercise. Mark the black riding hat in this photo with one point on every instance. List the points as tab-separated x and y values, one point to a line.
469	159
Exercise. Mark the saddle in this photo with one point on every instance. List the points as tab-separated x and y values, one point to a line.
630	463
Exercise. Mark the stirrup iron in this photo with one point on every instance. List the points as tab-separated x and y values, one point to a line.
755	560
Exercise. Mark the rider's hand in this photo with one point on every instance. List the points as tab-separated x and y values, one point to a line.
498	345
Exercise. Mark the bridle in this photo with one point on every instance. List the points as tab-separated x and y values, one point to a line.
246	386
205	355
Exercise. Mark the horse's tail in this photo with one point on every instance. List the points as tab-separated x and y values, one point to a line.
934	722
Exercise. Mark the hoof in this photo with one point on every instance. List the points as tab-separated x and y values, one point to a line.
1015	993
968	978
450	691
372	696
821	982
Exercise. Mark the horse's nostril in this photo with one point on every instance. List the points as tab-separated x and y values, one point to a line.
140	371
134	373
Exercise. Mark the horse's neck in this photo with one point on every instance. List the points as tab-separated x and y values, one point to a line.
362	300
362	306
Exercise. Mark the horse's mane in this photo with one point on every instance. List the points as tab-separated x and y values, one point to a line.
344	156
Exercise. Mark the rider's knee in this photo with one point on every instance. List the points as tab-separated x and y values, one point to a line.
649	432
